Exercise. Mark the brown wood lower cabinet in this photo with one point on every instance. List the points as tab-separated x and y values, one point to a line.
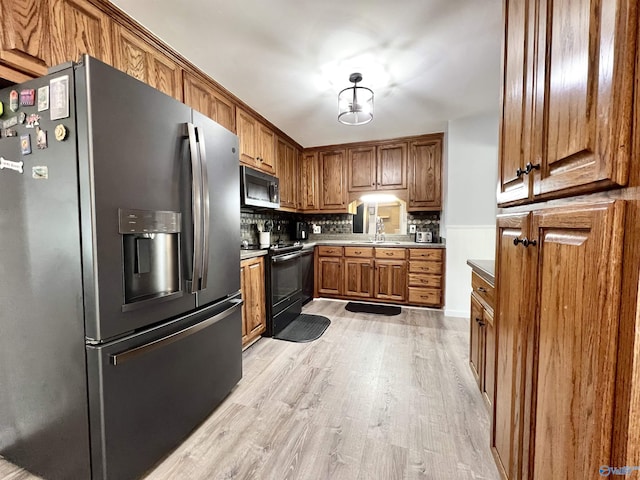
328	270
482	338
564	404
380	274
254	319
390	280
358	277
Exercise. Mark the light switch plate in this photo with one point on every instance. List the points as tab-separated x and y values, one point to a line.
412	229
317	229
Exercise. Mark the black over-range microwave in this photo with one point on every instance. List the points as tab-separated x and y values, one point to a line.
258	189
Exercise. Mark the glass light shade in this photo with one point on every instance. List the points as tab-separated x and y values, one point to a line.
355	105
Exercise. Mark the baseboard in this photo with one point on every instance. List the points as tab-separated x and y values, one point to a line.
456	313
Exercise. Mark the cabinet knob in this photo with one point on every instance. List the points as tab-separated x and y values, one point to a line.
525	242
520	172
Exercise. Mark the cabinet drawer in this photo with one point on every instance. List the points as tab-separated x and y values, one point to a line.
425	267
324	251
483	289
390	253
432	254
425	280
362	252
425	296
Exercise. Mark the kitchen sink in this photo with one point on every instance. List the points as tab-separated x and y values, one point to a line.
372	242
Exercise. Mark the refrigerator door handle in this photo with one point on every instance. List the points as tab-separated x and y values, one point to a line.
196	206
205	210
120	358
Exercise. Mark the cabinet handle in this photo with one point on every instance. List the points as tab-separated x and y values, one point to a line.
482	289
525	242
520	172
358	252
389	254
480	322
529	167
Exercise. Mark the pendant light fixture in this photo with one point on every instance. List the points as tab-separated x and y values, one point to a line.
355	104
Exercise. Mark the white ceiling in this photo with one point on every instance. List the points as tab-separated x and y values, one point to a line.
428	61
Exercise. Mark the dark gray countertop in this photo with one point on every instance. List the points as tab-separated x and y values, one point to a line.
485	268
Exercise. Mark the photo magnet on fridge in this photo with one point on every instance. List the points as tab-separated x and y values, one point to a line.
41	138
25	144
13	101
28	97
59	97
43	98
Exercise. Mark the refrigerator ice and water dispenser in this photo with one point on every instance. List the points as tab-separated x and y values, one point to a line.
151	256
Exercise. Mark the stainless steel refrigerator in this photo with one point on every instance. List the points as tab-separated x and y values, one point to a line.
120	312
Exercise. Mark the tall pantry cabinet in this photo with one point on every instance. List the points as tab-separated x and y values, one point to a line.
567	399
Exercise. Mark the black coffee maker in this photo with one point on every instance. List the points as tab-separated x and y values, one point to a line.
300	231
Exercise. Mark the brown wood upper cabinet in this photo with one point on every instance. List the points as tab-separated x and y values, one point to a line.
308	194
287	172
425	173
257	142
136	57
205	98
25	36
567	97
333	192
377	167
78	27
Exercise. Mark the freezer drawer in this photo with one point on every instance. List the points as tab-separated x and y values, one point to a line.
147	392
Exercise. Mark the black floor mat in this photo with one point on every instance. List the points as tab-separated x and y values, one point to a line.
370	308
305	328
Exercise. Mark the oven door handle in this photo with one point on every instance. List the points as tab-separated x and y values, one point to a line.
285	258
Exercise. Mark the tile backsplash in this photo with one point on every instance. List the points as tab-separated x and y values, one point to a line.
331	224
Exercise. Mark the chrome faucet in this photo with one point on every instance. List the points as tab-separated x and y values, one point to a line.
379	236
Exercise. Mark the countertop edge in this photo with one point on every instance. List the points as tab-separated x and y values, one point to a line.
355	243
247	254
484	268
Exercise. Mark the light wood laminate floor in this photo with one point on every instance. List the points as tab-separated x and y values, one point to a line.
376	397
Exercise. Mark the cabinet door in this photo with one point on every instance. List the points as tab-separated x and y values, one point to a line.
137	58
361	169
515	284
476	340
25	35
308	194
583	95
253	294
287	173
197	95
333	194
266	149
244	289
329	275
247	135
79	27
203	97
358	277
392	167
391	280
425	163
579	276
517	101
489	365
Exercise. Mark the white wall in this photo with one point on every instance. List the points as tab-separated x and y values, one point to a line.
470	202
